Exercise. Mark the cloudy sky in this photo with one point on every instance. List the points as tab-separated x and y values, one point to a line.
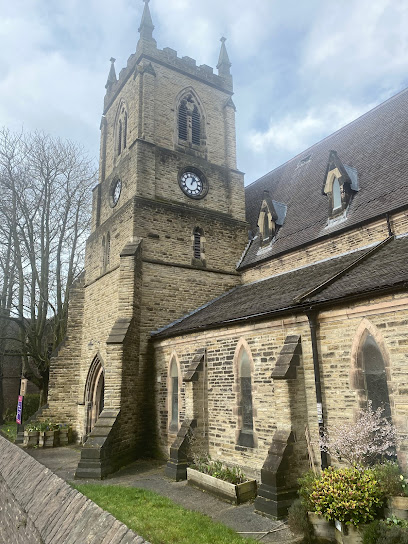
302	68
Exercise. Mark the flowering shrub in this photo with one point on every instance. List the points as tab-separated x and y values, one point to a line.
348	494
362	442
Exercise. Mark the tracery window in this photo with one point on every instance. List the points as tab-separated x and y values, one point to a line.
121	129
190	121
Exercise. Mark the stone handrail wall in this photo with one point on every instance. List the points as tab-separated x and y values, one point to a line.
38	507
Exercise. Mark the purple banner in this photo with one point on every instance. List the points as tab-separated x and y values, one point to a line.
19	409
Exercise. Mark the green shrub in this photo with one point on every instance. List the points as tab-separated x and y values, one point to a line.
348	494
388	475
10	414
306	483
31	405
298	521
385	532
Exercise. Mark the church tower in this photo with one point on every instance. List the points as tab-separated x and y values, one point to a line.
168	227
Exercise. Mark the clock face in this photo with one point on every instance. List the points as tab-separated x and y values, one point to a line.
193	184
115	192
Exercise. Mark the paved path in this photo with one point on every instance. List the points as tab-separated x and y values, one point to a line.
150	475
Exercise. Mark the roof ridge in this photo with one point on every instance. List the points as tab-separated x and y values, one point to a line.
339	274
391	98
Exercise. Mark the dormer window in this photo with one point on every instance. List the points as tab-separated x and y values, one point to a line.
341	183
267	231
336	194
271	217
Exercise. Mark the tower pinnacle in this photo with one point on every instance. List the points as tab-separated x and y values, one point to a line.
146	26
224	64
112	75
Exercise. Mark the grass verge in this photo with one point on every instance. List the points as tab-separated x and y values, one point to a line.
158	519
9	430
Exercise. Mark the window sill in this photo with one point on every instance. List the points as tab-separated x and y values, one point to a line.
246	439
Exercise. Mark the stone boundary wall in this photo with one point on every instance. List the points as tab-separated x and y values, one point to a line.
38	507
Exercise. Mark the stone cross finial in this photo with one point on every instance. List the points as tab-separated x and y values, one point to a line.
224	64
112	75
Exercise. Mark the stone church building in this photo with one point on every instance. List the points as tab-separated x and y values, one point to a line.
182	324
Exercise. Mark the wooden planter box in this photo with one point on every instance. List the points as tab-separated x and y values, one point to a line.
348	534
30	439
63	437
398	506
51	439
323	530
236	494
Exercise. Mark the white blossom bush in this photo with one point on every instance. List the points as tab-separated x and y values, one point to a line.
361	442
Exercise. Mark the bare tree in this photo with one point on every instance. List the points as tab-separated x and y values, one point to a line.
45	187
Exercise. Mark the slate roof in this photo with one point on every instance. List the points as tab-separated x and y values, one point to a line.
376	145
383	267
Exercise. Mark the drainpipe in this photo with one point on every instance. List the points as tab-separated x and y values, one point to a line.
312	317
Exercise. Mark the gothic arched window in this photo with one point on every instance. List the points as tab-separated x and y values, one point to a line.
375	377
190	121
174	395
121	129
245	382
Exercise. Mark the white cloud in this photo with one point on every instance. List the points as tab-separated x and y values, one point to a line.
297	78
294	133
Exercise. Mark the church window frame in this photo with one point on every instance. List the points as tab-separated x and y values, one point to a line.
245	390
174	383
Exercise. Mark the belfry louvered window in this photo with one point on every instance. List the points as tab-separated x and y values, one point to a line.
183	133
197	245
108	248
196	126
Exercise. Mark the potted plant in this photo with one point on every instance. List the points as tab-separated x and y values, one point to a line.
395	489
349	497
42	427
31	434
227	483
322	529
51	435
64	430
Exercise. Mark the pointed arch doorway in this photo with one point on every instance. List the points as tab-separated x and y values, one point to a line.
94	394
